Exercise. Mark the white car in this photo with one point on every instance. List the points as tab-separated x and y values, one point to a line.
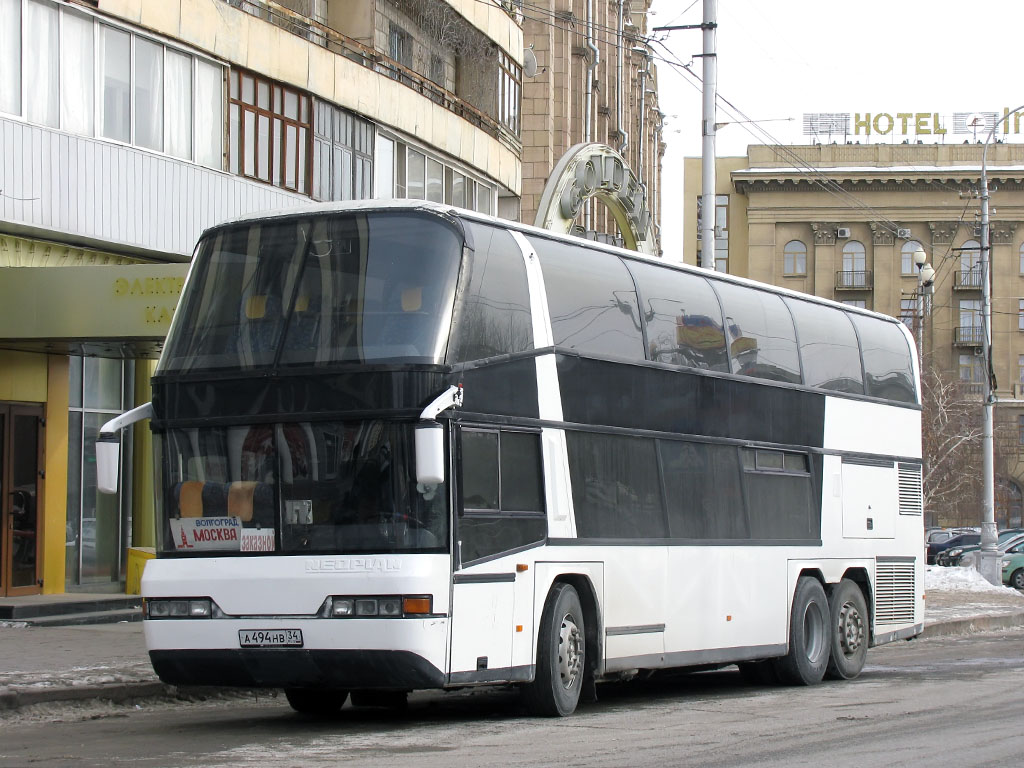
970	558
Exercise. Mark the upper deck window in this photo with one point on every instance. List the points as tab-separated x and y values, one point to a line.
887	363
828	347
592	300
318	290
762	341
684	319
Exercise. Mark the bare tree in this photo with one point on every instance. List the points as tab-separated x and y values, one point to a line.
951	441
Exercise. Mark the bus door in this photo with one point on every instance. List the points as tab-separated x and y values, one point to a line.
499	511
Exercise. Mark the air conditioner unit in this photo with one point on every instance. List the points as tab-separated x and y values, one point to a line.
903	234
843	233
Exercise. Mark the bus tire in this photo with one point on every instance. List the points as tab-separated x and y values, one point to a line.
848	619
315	701
807	659
561	656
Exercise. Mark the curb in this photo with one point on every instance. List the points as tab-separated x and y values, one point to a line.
973	624
12	699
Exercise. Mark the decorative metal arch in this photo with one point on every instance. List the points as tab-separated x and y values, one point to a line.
597	170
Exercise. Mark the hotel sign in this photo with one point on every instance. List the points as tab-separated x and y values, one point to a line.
850	125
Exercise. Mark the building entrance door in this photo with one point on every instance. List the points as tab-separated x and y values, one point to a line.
20	494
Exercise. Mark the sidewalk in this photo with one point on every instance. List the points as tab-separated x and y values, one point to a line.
109	661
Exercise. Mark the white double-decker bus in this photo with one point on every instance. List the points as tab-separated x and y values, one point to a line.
401	446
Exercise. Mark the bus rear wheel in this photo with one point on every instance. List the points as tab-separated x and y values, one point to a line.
314	701
809	636
848	614
561	656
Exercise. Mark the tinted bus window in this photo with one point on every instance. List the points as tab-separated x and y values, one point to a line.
591	300
702	484
495	318
762	342
615	489
887	363
828	347
318	290
684	319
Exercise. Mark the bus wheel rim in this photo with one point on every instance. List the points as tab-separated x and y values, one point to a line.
851	629
570	651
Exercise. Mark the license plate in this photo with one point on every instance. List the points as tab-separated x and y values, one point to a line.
270	638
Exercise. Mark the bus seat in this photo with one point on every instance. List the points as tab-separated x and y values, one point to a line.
240	499
190	498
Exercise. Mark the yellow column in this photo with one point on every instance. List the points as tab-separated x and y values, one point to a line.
55	484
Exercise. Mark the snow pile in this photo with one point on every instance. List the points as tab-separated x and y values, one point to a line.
956	579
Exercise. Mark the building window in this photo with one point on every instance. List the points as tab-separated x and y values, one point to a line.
1020	429
907	266
908	313
98	525
721	231
510	89
860	303
94	79
342	154
270	131
970	369
1020	314
794	258
416	176
1020	369
399	47
1022	258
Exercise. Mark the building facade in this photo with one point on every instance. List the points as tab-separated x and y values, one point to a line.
843	221
127	127
595	82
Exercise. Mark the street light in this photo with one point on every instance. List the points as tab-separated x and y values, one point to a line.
988	555
925	278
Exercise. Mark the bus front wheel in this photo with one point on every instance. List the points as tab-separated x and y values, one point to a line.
313	701
561	656
809	636
848	614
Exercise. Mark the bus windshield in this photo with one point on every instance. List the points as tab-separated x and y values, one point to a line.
329	487
316	290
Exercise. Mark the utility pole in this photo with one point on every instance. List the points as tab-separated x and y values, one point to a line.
988	560
710	94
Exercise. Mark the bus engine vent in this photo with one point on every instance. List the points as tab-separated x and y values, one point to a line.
894	590
911	493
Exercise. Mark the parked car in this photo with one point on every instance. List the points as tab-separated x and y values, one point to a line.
968	555
937	550
1013	566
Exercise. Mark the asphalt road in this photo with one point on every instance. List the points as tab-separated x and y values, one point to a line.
950	701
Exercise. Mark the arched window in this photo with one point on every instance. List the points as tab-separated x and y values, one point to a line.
794	258
854	274
969	275
907	266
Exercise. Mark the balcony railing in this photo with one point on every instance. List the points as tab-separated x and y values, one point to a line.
854	280
968	336
967	280
319	34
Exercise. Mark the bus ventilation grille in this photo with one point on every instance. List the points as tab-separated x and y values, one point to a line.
911	493
894	591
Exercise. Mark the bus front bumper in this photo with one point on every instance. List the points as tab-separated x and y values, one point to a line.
297	668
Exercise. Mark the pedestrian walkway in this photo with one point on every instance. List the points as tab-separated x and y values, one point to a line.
109	661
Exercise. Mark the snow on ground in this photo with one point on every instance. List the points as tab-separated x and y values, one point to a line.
954	579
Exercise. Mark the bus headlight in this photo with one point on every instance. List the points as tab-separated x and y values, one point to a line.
381	607
179	608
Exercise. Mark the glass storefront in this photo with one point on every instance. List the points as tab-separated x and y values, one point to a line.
98	525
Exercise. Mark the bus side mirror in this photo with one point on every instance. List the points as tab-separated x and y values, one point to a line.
108	455
429	453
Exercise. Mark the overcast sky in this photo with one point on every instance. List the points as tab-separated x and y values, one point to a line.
785	58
